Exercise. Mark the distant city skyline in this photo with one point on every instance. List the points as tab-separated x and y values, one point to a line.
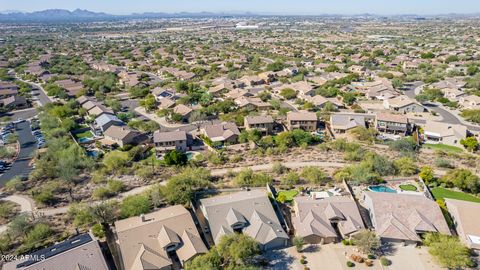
284	7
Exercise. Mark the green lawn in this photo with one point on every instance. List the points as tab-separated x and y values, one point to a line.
289	194
408	187
444	147
86	134
442	193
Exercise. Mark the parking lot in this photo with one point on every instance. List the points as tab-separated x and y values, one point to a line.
28	143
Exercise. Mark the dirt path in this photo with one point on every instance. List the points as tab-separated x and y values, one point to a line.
291	165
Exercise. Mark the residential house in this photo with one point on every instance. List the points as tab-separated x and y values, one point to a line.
183	110
305	120
268	76
168	141
8	89
14	102
470	102
453	94
80	252
166	103
251	81
73	88
454	83
319	101
82	100
303	88
97	109
319	220
343	122
237	93
154	240
357	69
221	88
226	132
88	104
466	219
104	121
392	123
122	135
129	79
380	92
262	123
403	104
248	212
444	133
403	217
252	103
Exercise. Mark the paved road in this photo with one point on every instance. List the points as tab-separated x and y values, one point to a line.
448	117
24	114
38	91
21	167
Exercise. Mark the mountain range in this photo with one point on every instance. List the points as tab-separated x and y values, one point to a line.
86	15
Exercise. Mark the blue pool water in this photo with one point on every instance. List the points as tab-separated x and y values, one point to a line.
92	153
381	188
84	140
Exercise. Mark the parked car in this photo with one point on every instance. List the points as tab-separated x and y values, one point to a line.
19	120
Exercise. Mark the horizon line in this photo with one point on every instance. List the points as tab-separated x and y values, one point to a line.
233	12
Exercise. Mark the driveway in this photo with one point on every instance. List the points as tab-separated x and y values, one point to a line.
21	167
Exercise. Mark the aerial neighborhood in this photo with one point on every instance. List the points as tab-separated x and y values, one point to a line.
210	142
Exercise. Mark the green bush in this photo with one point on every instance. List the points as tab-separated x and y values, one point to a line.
347	242
350	264
135	205
385	262
115	186
98	230
38	235
102	193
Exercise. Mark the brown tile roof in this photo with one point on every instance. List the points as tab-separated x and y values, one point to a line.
404	216
169	136
143	240
314	216
396	118
302	116
467	221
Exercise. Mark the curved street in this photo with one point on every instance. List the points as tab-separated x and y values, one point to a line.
415	88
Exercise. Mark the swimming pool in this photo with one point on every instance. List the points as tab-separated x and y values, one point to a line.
381	188
84	140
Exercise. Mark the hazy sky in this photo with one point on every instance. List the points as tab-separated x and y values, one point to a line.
263	6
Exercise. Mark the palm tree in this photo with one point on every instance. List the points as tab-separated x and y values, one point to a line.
299	242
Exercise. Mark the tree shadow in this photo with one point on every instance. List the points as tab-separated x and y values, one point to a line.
388	249
311	249
279	260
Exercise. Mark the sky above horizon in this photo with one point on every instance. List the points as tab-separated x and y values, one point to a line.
287	7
